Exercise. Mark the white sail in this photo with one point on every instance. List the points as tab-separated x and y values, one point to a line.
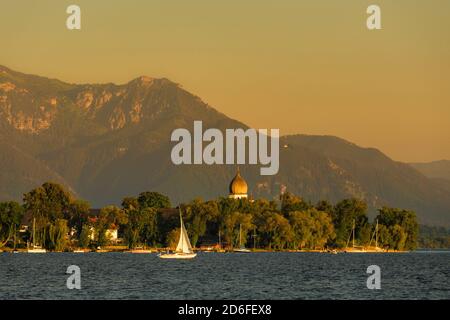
184	245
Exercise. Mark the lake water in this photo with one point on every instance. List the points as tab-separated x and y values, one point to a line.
415	275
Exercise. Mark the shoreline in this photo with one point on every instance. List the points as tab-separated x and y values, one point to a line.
158	250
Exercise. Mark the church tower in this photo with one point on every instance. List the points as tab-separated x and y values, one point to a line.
238	187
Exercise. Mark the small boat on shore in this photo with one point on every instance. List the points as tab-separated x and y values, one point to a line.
139	250
81	251
36	249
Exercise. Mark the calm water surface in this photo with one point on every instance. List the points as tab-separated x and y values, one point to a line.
416	275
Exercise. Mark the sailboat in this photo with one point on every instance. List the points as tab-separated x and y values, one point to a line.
353	248
241	248
34	248
184	248
361	249
376	249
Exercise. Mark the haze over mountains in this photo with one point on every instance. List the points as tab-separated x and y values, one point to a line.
107	141
436	169
439	171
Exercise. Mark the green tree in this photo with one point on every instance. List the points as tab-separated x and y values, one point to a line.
84	238
302	228
402	226
433	237
244	224
150	233
347	212
102	237
50	200
228	223
172	238
130	203
290	203
78	215
311	228
11	214
197	216
142	227
110	217
48	204
57	235
153	200
398	236
134	228
278	231
325	206
323	230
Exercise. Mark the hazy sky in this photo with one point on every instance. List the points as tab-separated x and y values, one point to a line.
301	66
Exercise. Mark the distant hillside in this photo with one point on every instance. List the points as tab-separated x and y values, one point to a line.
435	169
107	141
21	171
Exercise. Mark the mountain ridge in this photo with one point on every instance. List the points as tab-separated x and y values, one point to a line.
434	169
107	141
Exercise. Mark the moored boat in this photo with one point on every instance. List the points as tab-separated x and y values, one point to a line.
137	250
35	248
363	249
81	251
242	248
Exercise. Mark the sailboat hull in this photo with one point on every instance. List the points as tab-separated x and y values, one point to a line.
177	255
35	250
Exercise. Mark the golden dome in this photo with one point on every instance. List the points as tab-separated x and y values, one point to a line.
238	185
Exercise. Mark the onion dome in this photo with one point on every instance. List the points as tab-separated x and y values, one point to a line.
238	185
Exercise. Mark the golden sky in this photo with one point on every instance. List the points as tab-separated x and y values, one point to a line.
301	66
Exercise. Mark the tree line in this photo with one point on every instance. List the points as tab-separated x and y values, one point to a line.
434	237
62	221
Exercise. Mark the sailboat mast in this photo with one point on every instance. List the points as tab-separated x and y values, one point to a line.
181	230
353	231
15	233
376	235
34	231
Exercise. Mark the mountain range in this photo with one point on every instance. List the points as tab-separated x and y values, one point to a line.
439	171
108	141
436	169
